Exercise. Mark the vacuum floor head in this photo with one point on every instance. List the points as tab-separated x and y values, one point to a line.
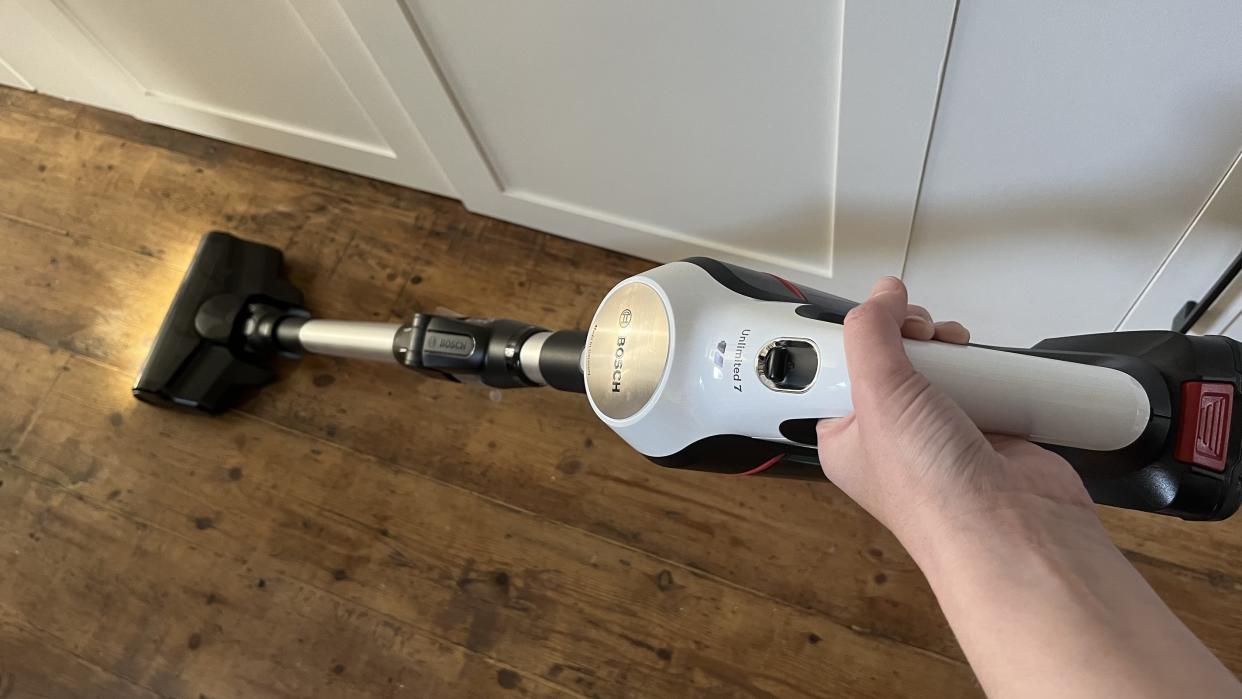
201	358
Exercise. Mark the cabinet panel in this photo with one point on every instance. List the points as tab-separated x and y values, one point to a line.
10	77
289	76
670	129
657	115
1225	317
1074	144
1195	263
1200	258
254	61
42	62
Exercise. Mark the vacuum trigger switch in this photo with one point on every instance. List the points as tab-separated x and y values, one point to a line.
778	365
788	364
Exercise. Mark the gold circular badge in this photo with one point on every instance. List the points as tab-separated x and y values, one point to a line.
627	349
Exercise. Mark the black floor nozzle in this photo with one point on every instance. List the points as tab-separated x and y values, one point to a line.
205	356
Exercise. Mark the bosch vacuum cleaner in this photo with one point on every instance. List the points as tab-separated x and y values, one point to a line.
705	365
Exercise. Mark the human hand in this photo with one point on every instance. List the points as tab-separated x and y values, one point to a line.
1039	598
911	457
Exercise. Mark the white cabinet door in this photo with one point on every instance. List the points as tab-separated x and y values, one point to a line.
289	76
1074	144
10	77
34	59
1201	257
11	26
1224	317
788	136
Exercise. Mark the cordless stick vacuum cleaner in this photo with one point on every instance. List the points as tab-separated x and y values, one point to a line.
705	365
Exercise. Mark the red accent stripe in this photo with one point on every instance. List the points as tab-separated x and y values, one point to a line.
762	467
789	285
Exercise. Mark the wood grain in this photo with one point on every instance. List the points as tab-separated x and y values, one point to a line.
254	501
158	611
573	468
29	369
31	665
457	540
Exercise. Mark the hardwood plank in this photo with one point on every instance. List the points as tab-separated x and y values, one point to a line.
86	297
155	201
154	609
122	194
186	185
547	600
258	163
1213	549
553	282
766	535
29	368
600	485
30	666
23	166
45	107
204	151
369	250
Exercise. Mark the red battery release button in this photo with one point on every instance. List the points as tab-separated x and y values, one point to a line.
1203	432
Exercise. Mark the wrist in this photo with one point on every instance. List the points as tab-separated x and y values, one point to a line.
1007	529
1043	603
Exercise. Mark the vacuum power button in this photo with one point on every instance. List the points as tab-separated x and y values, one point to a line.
1203	430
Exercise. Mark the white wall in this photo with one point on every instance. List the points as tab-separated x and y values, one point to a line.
786	136
1074	143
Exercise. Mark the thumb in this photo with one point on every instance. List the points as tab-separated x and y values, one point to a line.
874	354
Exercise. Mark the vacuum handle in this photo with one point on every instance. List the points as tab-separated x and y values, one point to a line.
1044	400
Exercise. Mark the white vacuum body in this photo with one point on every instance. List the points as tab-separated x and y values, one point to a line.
679	355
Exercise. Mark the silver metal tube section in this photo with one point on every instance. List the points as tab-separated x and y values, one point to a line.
346	338
528	356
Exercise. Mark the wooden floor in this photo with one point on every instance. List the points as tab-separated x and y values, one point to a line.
360	531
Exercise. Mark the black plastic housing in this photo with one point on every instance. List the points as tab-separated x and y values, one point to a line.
489	350
450	348
1146	475
560	360
201	358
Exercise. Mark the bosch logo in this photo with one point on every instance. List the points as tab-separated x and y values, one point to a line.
617	362
619	357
